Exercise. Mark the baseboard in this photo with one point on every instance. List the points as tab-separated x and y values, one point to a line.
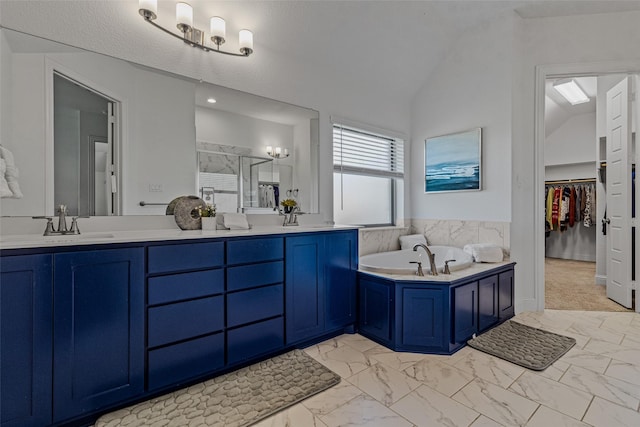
526	305
601	280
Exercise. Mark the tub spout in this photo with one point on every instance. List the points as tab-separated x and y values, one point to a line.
432	258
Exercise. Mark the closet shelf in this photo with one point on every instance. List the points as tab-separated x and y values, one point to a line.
571	181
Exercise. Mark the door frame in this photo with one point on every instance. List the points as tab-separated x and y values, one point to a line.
542	73
120	129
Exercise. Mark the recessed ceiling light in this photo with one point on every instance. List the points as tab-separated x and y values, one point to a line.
211	100
570	90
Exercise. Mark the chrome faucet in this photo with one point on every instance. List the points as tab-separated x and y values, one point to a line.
291	218
432	258
62	223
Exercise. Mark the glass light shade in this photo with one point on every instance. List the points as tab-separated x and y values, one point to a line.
286	152
148	5
184	16
246	39
278	151
570	90
269	150
218	27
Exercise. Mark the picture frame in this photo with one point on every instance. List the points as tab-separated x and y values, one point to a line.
207	194
453	162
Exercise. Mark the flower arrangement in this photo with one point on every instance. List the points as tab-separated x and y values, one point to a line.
207	211
289	203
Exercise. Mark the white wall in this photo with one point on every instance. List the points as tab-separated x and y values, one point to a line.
572	40
573	142
470	88
5	88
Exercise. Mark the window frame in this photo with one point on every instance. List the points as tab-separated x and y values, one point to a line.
393	174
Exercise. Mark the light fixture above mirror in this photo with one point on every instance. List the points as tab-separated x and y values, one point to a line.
192	36
277	152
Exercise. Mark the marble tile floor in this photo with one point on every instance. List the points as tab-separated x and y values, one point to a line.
597	383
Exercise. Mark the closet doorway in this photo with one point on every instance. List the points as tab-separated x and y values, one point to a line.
575	198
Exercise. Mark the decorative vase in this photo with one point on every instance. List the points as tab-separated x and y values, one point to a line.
209	223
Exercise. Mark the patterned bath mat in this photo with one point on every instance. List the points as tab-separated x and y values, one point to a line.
523	345
236	399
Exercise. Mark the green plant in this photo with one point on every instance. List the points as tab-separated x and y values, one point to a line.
207	211
289	203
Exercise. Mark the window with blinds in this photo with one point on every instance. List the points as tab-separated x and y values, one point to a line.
360	152
367	167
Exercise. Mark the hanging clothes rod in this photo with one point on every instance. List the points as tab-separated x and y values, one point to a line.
571	181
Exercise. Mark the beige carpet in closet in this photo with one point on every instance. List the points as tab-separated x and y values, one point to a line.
570	285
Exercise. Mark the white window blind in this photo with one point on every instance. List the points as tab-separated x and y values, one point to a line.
360	152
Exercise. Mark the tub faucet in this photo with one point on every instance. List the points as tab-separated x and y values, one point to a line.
432	258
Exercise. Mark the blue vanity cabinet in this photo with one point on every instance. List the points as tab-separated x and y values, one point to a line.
341	266
185	312
505	295
98	345
423	318
487	302
254	298
376	309
465	311
25	349
304	278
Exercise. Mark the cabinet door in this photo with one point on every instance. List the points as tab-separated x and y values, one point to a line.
375	309
25	347
505	295
487	302
304	288
341	258
98	329
465	314
423	317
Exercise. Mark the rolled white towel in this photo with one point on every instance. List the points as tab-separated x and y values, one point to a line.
484	252
5	191
409	241
11	174
236	221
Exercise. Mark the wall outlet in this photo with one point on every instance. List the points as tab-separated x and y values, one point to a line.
155	188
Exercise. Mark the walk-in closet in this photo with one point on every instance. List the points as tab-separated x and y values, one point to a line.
589	250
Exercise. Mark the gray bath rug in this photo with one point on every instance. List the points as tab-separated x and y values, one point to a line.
239	398
523	345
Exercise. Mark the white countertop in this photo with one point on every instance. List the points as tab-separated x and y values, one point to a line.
473	269
25	241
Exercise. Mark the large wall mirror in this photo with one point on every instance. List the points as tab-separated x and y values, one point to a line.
109	137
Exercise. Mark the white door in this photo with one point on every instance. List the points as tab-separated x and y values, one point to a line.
618	189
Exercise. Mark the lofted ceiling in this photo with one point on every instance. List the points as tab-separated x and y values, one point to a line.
558	110
387	46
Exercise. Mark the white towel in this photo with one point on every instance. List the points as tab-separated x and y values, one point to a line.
11	173
409	241
484	252
236	221
4	186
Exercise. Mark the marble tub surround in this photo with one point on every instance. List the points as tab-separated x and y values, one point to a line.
447	232
380	239
383	388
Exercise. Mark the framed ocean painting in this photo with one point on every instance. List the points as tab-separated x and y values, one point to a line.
453	162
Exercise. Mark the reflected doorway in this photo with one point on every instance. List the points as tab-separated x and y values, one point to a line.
83	148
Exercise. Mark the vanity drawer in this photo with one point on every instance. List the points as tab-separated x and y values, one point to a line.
253	340
255	250
187	256
255	304
183	320
175	287
176	363
249	276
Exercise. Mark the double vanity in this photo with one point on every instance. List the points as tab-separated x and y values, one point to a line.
101	320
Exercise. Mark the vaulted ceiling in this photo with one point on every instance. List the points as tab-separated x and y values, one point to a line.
391	46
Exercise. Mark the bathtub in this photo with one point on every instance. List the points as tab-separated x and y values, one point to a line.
397	262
